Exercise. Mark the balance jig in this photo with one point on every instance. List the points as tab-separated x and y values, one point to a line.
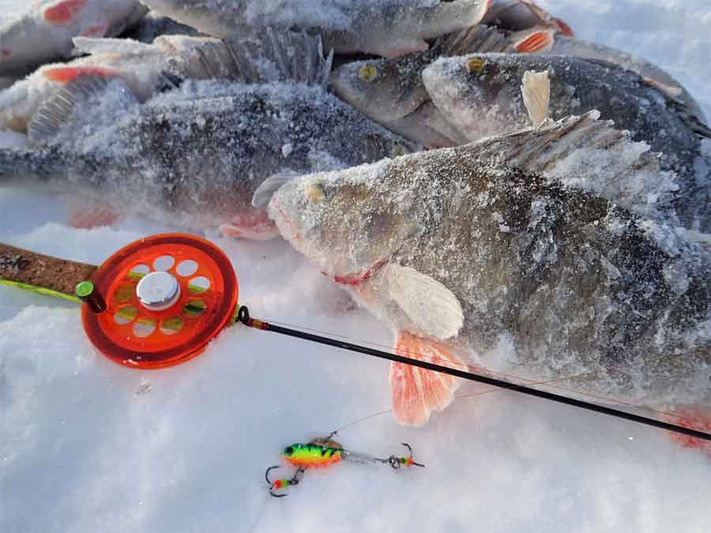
324	452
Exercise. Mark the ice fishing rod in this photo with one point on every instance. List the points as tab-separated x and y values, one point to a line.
159	301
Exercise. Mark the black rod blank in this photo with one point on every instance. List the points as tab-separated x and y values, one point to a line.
244	318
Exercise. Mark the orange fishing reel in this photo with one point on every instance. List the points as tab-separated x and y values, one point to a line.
159	301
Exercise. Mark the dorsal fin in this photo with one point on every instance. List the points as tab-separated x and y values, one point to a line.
589	154
273	56
479	39
57	111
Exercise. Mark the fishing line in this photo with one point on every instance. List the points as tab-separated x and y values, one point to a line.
474	369
244	318
456	397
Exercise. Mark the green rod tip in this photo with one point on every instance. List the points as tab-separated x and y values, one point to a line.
84	289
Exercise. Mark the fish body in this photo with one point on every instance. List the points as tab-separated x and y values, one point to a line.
662	79
194	156
495	250
480	96
44	34
386	28
312	455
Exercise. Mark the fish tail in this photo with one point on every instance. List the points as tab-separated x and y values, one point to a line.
692	418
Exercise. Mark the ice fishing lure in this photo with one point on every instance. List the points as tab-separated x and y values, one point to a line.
324	452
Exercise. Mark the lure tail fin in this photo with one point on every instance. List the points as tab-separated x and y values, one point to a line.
418	392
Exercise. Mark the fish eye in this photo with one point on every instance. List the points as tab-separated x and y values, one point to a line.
316	193
367	73
475	64
288	451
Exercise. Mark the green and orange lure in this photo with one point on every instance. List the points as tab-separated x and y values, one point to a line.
322	453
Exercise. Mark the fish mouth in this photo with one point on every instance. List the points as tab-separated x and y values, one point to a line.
295	235
357	278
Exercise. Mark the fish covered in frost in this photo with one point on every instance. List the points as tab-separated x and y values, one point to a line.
383	27
546	40
479	95
45	32
495	251
193	155
149	68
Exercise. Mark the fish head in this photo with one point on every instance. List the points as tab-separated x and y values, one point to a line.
480	94
384	90
344	222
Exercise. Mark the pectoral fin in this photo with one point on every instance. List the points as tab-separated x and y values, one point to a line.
431	306
269	186
536	90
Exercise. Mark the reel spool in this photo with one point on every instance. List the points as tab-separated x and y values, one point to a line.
159	301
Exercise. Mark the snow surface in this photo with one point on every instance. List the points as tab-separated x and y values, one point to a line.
88	446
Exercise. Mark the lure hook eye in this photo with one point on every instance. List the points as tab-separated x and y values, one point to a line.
398	462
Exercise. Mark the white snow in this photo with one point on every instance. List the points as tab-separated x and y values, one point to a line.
89	446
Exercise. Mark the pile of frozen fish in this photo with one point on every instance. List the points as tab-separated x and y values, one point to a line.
502	194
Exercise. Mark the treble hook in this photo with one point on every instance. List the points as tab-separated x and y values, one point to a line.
397	462
278	484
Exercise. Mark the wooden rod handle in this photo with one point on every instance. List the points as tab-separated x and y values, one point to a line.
31	268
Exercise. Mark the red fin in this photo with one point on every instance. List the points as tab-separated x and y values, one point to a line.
95	31
416	391
91	216
693	419
538	41
5	52
253	224
563	27
63	11
67	74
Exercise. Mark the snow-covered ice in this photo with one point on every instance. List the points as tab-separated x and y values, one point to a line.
87	446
